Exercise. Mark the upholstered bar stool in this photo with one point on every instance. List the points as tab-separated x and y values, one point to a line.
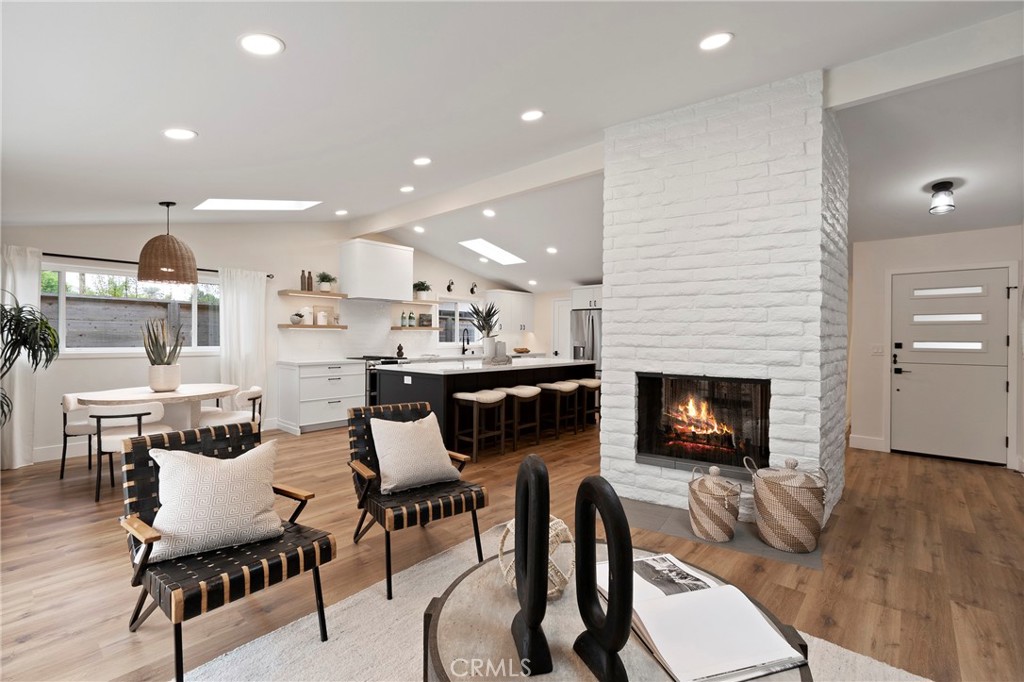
565	395
590	401
523	396
481	402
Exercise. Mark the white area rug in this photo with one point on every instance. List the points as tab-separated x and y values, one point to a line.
373	639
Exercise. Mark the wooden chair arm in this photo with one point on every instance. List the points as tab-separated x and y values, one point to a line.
142	531
293	492
362	470
459	457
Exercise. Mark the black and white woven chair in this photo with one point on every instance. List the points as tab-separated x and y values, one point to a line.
408	508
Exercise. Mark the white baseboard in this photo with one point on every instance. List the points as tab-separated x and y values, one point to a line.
868	443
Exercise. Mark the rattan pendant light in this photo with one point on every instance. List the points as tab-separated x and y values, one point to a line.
165	258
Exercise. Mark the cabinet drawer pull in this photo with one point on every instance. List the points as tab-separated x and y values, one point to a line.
333	402
335	367
334	378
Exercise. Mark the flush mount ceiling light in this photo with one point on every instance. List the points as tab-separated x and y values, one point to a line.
489	250
421	161
532	282
254	205
715	41
405	189
418	229
532	115
341	212
552	249
261	44
942	198
180	134
165	258
484	260
489	212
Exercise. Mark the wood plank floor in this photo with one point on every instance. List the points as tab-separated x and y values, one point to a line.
923	564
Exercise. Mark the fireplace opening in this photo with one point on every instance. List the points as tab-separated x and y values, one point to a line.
685	421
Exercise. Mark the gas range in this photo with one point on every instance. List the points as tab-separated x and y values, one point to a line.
372	362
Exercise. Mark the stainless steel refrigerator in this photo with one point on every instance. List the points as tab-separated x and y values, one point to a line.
585	332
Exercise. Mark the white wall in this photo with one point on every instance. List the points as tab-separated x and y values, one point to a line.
871	261
281	249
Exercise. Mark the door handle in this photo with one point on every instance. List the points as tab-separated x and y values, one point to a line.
900	370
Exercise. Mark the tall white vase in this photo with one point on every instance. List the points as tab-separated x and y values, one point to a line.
164	378
489	346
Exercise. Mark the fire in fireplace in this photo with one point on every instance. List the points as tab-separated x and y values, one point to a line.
688	420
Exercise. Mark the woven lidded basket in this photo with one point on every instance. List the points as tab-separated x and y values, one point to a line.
789	505
714	505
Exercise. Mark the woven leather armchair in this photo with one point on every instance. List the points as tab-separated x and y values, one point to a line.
417	506
190	586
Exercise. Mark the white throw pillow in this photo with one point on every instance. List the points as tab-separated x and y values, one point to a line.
207	503
411	454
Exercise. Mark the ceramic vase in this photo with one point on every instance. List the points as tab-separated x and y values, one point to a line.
164	378
325	287
490	345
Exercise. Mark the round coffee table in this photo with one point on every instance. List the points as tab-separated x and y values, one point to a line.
469	625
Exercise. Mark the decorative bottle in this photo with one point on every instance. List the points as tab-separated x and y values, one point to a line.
403	319
412	318
309	281
302	281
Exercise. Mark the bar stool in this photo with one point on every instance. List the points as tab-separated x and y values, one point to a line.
523	395
567	392
590	387
481	402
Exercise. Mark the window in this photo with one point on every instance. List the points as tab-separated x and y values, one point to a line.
454	319
107	309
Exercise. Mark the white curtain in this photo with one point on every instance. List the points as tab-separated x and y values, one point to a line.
20	277
243	347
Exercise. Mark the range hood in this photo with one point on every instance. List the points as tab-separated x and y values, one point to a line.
375	270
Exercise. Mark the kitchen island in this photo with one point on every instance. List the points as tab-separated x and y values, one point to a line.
435	382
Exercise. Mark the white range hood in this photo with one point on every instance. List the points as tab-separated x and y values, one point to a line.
375	270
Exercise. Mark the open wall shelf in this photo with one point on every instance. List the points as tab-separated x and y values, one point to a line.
415	329
311	294
313	326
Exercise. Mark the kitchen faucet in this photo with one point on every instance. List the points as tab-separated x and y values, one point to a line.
465	339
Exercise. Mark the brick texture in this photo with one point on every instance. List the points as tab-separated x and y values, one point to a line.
725	253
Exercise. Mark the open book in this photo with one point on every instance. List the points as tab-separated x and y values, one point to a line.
699	630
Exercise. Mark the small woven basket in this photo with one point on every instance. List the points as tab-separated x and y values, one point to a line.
714	505
789	506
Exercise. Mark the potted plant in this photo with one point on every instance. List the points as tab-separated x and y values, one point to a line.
325	279
485	320
297	318
164	372
420	290
24	329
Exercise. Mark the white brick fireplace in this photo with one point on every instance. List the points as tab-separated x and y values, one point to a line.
725	254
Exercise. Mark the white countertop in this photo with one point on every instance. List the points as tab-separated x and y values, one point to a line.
476	366
306	363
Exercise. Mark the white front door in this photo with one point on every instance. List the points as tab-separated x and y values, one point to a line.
949	363
561	346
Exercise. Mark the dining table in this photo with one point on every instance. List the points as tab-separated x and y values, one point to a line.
182	406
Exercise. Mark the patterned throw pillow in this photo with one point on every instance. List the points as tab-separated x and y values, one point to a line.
411	454
207	503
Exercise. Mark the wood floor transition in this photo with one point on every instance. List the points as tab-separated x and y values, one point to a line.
923	567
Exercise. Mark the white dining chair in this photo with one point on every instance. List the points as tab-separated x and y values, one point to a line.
254	395
117	422
74	426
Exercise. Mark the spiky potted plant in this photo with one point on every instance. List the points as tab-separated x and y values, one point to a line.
164	370
486	321
24	330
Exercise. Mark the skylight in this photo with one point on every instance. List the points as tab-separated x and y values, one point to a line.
254	205
489	250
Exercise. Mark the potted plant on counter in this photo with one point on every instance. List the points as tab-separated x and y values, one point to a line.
164	370
421	290
325	279
485	320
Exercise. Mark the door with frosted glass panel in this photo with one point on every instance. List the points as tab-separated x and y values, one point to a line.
949	364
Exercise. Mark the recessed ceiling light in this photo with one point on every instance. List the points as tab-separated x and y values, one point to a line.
495	253
180	134
341	212
254	205
532	282
715	41
261	44
552	249
484	260
418	228
421	161
489	212
406	189
532	115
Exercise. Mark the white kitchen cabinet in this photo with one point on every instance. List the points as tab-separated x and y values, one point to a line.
375	270
585	297
317	395
515	310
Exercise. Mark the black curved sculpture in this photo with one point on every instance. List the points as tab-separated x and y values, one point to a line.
532	510
606	634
